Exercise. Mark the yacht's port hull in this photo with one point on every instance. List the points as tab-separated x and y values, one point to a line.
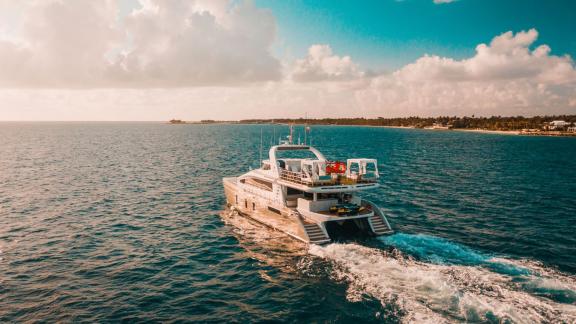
262	211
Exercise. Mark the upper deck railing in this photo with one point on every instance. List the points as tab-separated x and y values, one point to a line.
340	179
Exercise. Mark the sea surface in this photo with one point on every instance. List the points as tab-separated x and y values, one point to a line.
110	222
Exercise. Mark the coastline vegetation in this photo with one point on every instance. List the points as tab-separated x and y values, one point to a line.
495	123
538	125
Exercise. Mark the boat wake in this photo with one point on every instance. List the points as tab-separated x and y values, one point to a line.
421	278
429	279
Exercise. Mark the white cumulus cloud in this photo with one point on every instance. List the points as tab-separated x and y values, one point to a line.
504	77
322	65
165	43
187	43
211	49
61	44
507	57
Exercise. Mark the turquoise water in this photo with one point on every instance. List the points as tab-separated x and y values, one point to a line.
124	222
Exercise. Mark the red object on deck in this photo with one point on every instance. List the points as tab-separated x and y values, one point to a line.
335	167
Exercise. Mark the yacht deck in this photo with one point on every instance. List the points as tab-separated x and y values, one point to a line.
364	212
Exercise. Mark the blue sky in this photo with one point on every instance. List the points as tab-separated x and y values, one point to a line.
388	33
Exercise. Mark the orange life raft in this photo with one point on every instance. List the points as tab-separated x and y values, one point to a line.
335	167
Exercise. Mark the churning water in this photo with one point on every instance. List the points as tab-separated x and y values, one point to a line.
126	222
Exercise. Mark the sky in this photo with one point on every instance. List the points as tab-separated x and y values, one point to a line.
153	60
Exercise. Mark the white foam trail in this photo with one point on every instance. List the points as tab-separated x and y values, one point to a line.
438	293
547	277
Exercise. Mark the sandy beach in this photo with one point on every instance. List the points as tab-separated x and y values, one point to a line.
485	131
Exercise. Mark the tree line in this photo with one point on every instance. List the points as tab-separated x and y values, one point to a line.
489	123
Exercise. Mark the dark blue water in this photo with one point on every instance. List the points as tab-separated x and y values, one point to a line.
122	222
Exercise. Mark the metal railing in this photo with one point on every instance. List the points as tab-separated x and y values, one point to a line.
300	178
293	176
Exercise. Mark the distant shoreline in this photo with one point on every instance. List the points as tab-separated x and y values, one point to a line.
519	133
531	126
481	131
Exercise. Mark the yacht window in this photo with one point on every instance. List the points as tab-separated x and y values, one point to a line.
295	154
292	191
253	206
323	196
274	210
259	183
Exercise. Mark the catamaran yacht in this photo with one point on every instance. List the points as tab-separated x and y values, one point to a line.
311	199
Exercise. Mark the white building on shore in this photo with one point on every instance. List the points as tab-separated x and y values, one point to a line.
558	125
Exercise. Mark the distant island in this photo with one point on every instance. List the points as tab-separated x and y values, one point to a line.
206	121
537	125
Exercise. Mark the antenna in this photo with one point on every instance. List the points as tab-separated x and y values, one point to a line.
306	129
271	139
260	147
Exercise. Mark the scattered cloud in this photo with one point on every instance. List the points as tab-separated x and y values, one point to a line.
504	77
61	44
507	57
174	43
189	43
322	65
207	59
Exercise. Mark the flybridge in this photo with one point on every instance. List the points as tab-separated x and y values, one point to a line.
320	172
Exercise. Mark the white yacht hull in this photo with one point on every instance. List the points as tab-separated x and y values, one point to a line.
308	228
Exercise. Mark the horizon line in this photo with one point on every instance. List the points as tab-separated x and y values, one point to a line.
272	119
